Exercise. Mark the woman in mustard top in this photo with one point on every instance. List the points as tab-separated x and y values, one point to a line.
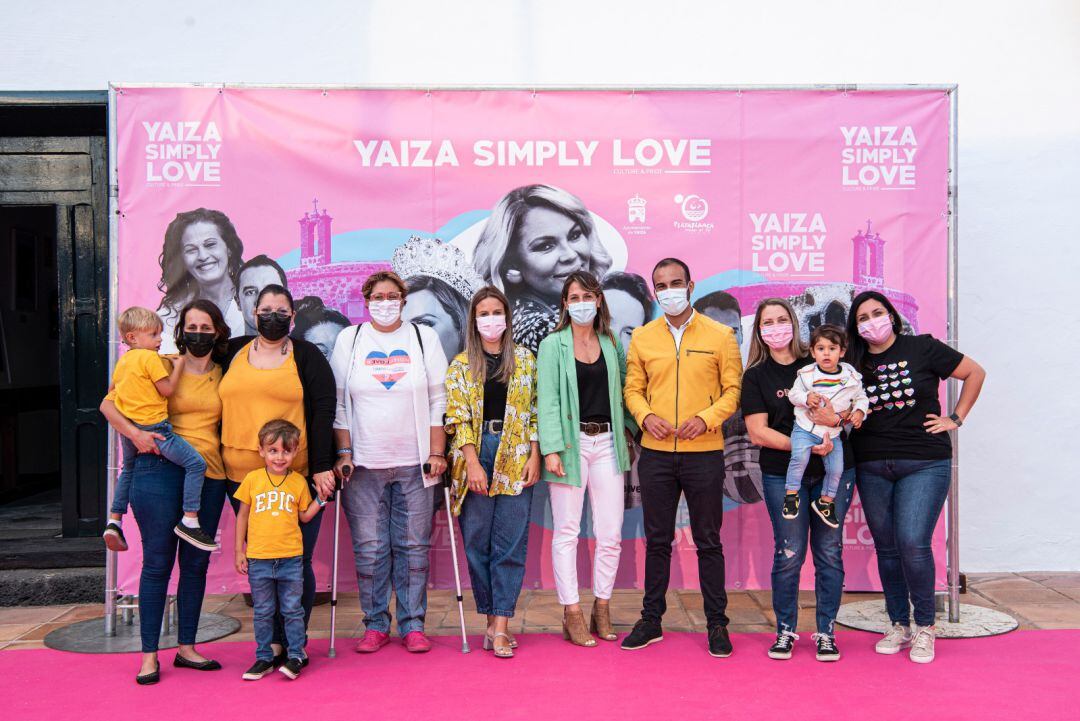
270	376
195	414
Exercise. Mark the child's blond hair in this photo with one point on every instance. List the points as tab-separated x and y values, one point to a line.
282	430
137	318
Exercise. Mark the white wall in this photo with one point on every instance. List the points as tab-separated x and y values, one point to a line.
1018	66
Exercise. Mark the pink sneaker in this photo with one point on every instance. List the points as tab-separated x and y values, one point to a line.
372	641
417	642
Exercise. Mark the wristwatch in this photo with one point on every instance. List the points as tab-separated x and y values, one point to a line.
956	419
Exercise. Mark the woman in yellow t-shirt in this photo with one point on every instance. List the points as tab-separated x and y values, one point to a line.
195	414
271	376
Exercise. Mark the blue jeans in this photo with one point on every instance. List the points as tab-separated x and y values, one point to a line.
802	441
173	448
790	543
902	500
495	532
277	585
156	501
389	513
309	532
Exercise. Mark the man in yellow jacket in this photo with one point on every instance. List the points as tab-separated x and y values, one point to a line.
683	380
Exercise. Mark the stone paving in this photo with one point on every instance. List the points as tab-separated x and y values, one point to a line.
1036	600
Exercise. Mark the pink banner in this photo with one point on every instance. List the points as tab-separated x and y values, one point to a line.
807	195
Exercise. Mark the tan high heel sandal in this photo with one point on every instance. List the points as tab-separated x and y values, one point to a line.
574	629
600	622
506	651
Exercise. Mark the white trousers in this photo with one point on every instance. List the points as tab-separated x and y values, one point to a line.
601	478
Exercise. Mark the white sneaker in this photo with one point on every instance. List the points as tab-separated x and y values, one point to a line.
922	645
895	639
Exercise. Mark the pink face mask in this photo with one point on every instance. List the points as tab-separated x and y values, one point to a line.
491	327
777	336
877	330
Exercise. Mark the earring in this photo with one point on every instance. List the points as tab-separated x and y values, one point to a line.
513	276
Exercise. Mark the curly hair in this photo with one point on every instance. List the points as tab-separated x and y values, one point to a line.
176	282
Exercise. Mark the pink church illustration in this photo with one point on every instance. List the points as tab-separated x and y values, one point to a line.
337	284
829	302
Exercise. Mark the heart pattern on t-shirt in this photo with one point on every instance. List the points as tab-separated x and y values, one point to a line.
388	369
890	377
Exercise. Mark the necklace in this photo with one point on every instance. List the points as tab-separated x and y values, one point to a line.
271	478
284	346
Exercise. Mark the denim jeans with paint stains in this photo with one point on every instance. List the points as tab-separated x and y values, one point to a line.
389	513
790	538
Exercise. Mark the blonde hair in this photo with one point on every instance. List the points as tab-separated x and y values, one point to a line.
497	247
474	344
759	351
137	318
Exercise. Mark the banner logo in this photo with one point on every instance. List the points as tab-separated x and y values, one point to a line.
695	209
792	243
182	152
879	157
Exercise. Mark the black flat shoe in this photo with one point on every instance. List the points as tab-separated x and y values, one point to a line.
207	665
148	679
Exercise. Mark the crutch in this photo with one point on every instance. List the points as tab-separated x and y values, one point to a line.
453	555
457	576
345	471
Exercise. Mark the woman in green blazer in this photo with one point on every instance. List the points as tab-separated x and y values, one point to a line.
585	437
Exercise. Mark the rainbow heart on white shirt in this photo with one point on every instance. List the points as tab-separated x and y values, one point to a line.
388	369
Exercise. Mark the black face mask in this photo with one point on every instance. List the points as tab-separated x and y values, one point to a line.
199	344
273	326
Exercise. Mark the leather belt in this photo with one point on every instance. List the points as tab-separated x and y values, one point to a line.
591	428
493	426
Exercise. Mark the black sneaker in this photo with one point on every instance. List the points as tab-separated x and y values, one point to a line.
258	670
293	666
196	537
114	537
643	634
283	658
826	511
826	647
785	642
791	506
719	642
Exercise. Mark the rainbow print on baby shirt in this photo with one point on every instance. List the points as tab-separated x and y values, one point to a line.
828	383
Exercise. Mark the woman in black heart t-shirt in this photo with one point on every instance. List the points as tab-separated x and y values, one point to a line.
903	456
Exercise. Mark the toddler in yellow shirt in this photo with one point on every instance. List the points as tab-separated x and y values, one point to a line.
140	389
274	501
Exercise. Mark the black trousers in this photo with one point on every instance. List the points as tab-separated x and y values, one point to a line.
664	476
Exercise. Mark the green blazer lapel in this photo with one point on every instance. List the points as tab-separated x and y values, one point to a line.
566	340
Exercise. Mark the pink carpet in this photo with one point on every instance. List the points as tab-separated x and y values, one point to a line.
1022	675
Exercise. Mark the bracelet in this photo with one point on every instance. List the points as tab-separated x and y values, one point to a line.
344	451
437	455
321	502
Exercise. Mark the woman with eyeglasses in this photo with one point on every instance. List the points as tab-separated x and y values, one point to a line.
270	376
391	398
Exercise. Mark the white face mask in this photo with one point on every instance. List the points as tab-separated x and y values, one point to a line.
583	312
673	300
385	312
491	327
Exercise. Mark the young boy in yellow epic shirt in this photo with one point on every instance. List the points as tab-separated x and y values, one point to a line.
273	502
140	389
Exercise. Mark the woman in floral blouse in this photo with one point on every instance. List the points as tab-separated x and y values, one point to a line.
494	459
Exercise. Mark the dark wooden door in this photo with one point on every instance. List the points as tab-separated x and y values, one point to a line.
71	174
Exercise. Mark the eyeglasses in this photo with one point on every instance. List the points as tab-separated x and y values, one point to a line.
385	296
